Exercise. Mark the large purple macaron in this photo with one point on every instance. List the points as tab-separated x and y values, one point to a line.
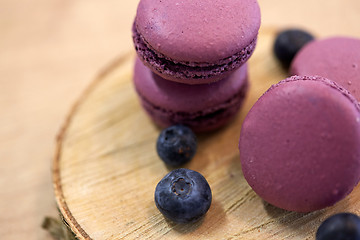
336	58
195	41
299	144
202	107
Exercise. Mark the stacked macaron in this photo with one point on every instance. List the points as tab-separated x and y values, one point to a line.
191	59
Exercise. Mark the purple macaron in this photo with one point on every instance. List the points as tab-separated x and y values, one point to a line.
299	144
336	58
202	107
193	41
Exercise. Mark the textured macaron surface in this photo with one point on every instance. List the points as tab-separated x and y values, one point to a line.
299	144
202	107
179	97
336	58
198	31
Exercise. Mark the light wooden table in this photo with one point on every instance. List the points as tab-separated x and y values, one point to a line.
50	50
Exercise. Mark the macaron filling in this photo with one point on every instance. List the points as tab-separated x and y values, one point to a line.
199	121
192	71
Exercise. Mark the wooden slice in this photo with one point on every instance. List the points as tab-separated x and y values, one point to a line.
106	168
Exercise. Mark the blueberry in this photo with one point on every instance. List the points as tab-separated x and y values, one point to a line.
342	226
176	145
183	196
288	43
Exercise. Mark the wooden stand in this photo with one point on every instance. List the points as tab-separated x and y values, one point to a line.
106	168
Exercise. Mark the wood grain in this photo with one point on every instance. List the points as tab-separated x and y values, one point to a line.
106	168
51	49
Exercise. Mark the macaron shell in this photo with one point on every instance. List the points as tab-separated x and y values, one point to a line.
194	31
183	97
188	72
299	144
203	121
201	107
336	58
